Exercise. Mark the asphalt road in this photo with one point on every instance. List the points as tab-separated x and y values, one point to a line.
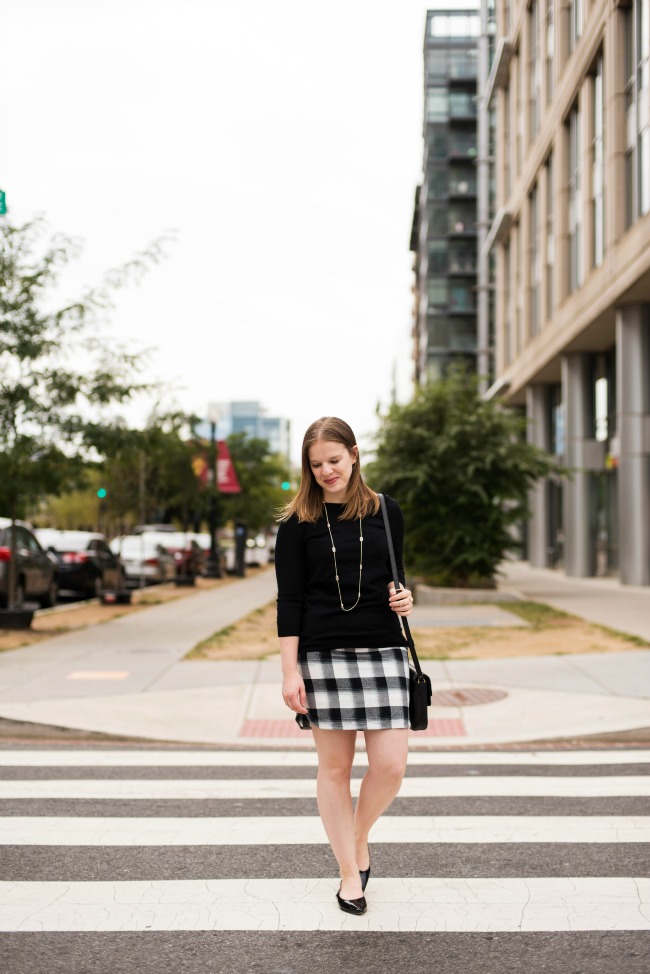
511	883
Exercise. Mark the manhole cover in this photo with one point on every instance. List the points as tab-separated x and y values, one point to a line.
465	697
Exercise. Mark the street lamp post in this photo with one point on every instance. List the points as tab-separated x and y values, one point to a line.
213	566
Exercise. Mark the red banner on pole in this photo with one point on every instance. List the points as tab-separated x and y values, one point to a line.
227	481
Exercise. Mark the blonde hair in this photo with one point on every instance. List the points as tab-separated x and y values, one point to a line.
308	502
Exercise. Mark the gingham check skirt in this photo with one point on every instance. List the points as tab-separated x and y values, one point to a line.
357	689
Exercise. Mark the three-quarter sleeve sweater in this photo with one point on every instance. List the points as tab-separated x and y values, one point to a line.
308	597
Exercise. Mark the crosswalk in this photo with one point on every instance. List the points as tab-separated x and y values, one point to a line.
156	840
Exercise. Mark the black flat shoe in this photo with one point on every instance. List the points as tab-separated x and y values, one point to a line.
365	876
355	907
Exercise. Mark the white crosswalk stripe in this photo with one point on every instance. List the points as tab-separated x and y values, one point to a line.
308	830
43	843
430	787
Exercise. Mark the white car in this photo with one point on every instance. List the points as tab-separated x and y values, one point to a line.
143	558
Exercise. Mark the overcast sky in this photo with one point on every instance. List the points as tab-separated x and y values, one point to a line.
280	138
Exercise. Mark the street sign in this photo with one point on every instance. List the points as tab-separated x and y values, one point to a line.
3	203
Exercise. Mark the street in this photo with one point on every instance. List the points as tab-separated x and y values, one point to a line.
487	861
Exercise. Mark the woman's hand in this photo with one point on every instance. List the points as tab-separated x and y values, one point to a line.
400	602
293	692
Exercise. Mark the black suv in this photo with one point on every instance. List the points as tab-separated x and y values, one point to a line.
83	561
35	573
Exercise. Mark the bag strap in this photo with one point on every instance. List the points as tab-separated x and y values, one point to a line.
393	565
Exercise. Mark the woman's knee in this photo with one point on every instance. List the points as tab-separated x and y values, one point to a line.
389	769
335	773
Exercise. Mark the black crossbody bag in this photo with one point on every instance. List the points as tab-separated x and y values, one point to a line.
419	682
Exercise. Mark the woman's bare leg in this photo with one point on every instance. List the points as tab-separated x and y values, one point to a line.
335	755
387	753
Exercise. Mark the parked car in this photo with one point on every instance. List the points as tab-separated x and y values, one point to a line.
83	561
187	553
256	551
143	557
35	572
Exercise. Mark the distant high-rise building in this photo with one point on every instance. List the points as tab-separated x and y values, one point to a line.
570	241
443	236
251	418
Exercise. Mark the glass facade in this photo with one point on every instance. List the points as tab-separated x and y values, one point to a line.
637	100
597	168
550	239
446	245
574	127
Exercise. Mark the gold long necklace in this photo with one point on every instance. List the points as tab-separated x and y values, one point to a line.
336	570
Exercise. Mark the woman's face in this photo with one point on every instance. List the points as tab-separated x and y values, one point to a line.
332	464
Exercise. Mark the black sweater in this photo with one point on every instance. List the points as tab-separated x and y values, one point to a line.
308	598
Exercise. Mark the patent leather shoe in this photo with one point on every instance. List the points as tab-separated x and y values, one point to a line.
356	907
365	876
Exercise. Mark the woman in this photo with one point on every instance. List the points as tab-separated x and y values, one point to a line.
344	657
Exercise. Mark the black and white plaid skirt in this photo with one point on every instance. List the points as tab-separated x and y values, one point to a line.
357	689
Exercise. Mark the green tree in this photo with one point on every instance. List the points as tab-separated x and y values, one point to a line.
461	470
260	474
150	478
58	380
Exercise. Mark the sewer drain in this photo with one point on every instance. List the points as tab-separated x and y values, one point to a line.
465	697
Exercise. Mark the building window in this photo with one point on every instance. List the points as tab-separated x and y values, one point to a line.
505	142
437	104
462	180
643	102
550	237
462	143
462	294
519	110
455	25
436	64
462	64
437	183
507	327
461	217
630	119
535	266
437	141
462	256
438	256
462	104
637	102
550	51
519	292
437	219
597	167
534	73
575	23
491	30
437	290
575	200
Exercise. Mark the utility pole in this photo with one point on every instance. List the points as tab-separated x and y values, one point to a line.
213	566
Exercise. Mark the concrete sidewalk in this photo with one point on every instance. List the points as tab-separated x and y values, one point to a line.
127	678
601	600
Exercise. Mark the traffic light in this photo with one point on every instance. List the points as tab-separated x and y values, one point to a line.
102	493
286	485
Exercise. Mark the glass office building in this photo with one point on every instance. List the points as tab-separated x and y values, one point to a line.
443	237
